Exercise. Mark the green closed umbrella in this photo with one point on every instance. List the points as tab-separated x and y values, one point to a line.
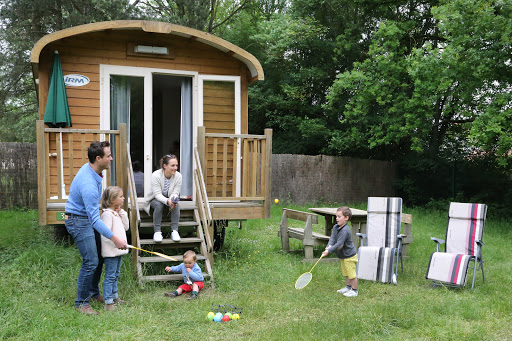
56	114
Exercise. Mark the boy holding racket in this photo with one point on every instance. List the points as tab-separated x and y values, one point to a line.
341	243
192	276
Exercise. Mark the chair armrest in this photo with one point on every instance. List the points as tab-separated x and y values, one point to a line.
438	243
362	237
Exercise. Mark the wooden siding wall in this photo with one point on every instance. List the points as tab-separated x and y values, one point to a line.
219	117
83	55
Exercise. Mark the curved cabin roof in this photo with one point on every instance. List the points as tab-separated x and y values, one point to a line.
248	59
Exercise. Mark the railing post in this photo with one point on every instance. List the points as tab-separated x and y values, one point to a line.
201	149
268	172
41	172
123	161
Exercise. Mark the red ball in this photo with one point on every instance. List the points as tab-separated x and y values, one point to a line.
225	318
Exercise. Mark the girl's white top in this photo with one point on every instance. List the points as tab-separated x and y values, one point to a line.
118	224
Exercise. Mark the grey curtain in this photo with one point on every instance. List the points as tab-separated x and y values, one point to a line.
186	137
119	113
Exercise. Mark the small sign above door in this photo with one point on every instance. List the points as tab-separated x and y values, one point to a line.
76	80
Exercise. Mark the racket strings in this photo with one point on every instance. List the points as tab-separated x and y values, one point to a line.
303	280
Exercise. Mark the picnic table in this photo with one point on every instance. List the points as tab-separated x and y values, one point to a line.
358	222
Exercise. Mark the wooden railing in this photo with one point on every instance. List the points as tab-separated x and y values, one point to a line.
203	205
60	154
133	212
237	167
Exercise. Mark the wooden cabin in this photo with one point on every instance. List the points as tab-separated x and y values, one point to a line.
155	88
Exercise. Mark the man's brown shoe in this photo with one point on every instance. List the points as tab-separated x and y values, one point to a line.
119	301
110	307
98	298
86	310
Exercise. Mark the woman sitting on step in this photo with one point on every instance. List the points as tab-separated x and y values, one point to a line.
164	196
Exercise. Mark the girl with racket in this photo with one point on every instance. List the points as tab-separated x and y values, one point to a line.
116	220
341	243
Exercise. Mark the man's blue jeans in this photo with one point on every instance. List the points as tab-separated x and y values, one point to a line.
112	272
88	242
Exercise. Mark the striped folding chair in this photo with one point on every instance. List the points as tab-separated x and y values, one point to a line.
381	246
463	245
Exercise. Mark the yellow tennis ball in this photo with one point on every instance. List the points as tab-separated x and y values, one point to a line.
276	201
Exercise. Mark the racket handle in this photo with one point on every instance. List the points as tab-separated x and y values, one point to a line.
316	263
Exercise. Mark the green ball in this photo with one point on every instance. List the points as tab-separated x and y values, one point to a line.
229	314
211	315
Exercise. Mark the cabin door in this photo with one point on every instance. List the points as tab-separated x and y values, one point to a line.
157	109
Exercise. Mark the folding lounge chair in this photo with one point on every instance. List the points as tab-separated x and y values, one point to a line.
463	245
378	259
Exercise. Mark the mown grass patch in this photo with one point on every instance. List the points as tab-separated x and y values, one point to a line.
38	287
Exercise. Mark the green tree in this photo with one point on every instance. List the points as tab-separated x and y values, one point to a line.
204	15
438	92
23	23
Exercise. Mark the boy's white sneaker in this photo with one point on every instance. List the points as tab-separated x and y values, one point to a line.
350	293
343	290
157	237
175	236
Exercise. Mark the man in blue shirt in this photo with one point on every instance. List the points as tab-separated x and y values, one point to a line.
85	226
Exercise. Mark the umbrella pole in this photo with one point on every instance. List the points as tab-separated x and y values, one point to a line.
62	169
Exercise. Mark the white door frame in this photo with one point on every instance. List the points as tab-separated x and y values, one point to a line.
147	73
238	115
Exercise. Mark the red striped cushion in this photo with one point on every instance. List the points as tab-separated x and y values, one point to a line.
448	268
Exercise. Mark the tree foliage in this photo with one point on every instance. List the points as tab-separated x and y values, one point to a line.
438	89
23	23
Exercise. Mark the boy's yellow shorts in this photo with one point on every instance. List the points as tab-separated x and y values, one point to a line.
348	267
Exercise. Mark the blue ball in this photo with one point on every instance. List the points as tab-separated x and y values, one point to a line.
218	317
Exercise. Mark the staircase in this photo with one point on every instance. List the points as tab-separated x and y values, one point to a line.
192	238
195	228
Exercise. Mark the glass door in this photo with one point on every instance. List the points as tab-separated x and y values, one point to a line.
157	107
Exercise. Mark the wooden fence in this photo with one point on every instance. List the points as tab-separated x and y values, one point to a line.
18	175
298	178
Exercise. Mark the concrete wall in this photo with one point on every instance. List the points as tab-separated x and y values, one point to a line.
306	179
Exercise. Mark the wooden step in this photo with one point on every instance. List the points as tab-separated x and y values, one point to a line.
173	277
168	241
184	206
168	223
155	259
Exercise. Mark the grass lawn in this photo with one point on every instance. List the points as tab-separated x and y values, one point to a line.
38	288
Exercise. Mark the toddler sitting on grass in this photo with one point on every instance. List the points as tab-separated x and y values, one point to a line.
192	276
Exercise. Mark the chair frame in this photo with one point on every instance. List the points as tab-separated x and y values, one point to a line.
478	262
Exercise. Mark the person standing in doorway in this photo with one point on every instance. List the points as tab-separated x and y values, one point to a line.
85	226
165	195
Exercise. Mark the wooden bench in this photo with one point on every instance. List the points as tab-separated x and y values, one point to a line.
306	234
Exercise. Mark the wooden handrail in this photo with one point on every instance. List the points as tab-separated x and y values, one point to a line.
202	184
134	213
61	152
237	136
202	203
237	167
